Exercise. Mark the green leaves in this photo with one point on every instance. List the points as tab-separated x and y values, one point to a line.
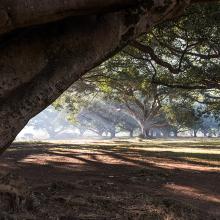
180	64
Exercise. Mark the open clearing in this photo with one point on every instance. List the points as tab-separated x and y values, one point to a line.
120	179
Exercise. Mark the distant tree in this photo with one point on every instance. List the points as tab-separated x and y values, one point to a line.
210	124
95	120
100	118
124	81
181	113
51	121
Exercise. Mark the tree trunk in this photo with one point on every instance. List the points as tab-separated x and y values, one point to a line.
81	132
131	134
204	133
100	133
158	134
175	132
38	63
142	135
151	133
112	134
147	133
165	133
194	133
52	134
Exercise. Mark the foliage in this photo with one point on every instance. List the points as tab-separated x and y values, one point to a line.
160	81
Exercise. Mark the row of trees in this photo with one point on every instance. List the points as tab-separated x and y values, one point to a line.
166	82
153	114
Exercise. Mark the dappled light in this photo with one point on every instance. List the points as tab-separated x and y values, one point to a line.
193	193
175	155
155	169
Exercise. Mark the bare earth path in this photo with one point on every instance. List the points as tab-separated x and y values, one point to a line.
120	179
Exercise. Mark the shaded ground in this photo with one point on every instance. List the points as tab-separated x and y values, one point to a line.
155	179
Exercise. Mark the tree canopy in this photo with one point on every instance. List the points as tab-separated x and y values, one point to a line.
162	78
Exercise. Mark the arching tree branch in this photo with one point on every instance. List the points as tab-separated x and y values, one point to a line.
148	50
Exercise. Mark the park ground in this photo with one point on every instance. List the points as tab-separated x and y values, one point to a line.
119	179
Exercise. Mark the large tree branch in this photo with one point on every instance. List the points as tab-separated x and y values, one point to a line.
16	14
21	13
148	50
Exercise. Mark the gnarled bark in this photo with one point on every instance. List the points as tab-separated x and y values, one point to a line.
22	13
38	63
16	14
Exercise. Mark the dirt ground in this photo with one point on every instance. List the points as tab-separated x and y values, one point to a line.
118	179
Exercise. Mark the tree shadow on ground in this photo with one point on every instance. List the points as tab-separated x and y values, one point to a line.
116	173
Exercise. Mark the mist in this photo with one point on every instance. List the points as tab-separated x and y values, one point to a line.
107	121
